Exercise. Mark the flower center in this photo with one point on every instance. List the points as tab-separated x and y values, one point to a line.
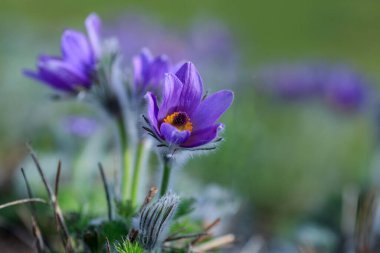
180	120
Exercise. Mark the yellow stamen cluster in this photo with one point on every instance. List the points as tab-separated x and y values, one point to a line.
179	120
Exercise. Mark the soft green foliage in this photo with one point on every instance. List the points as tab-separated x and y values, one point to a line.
293	153
126	247
95	236
185	207
77	221
113	230
185	226
125	209
181	222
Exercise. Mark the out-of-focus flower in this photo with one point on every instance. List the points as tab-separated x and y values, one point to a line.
80	126
345	89
184	119
149	71
341	86
291	81
153	221
213	47
209	43
74	70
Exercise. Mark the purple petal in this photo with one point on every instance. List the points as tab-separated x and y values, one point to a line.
172	135
50	80
76	49
203	136
46	58
172	90
158	69
192	88
54	77
152	110
141	68
211	109
62	72
93	25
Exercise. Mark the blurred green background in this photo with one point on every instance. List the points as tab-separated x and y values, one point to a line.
286	159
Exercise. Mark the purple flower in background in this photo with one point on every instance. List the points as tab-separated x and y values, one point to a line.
138	31
291	81
345	89
341	86
73	70
207	42
184	119
149	71
80	126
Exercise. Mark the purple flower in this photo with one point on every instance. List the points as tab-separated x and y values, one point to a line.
73	70
292	81
184	119
80	126
207	42
345	89
149	71
340	86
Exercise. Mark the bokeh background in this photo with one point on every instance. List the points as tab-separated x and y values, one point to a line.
303	129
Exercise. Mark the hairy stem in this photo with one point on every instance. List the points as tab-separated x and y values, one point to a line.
165	175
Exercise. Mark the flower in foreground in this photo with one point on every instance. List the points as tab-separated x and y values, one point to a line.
149	71
74	70
153	221
184	119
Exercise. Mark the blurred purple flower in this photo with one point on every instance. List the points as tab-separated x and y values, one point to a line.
212	46
184	119
149	71
209	43
137	31
72	71
341	86
291	81
345	89
80	126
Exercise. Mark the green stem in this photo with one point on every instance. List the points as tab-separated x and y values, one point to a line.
165	176
125	157
139	160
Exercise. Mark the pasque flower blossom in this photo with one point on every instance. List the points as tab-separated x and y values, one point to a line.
74	70
149	71
184	119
